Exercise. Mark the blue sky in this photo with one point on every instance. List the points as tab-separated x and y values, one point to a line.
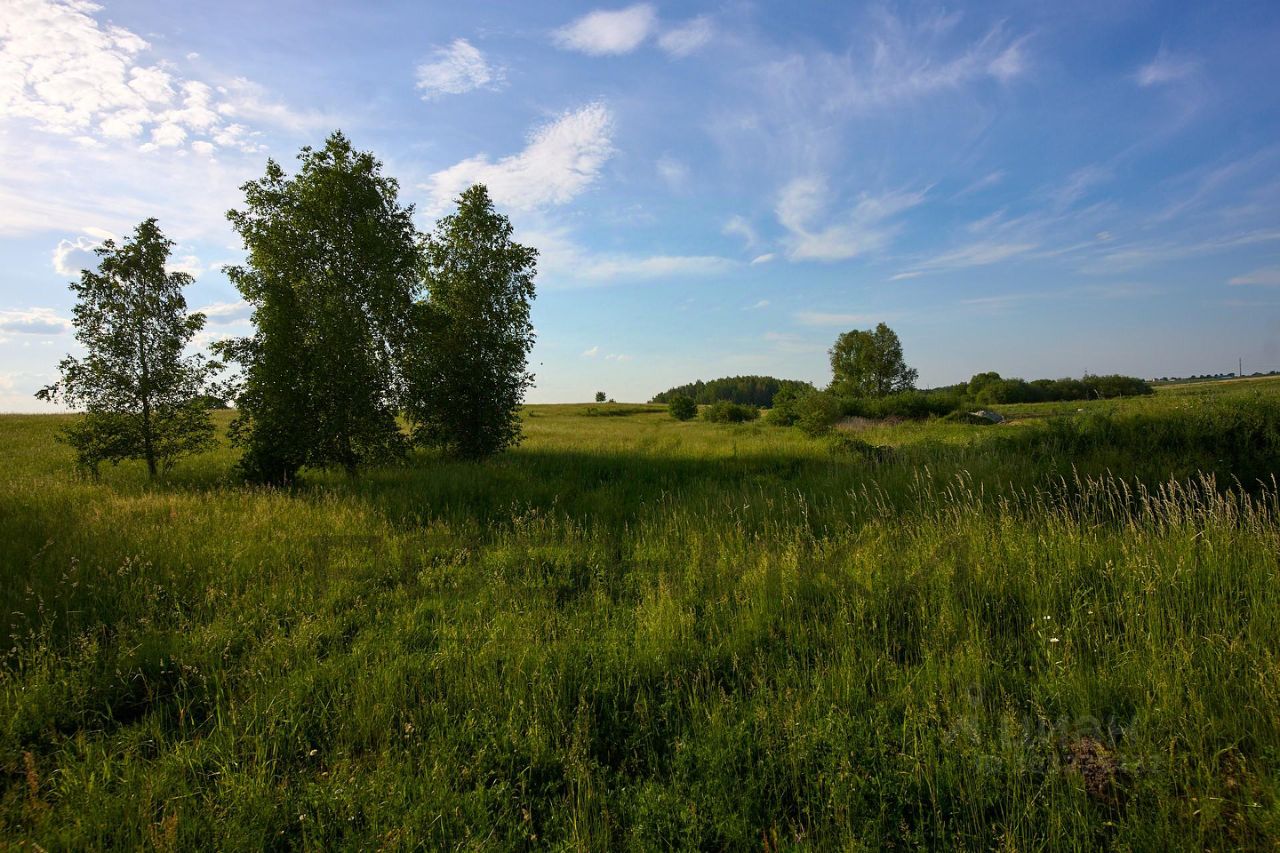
1037	188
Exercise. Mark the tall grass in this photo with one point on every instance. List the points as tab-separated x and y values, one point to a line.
636	633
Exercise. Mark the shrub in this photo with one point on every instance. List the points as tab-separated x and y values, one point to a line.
908	404
724	412
817	413
682	407
785	410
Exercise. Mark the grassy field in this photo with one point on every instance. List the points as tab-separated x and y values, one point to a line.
633	633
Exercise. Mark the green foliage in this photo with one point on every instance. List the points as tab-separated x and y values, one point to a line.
724	412
749	390
141	398
782	412
472	335
990	388
332	270
869	364
613	410
682	407
816	413
905	404
601	396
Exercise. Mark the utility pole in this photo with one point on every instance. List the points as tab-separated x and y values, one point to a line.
1241	369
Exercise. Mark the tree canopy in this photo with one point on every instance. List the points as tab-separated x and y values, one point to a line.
869	363
141	397
332	271
472	334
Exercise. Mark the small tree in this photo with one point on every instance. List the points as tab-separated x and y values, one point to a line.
141	398
332	272
600	396
472	336
869	364
682	407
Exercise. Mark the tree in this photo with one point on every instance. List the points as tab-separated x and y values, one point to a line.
332	271
472	335
682	407
142	398
869	364
600	396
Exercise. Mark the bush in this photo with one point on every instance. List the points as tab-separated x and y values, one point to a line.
724	412
785	410
817	413
682	407
908	404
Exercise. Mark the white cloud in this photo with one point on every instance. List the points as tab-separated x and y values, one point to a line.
189	264
33	321
562	159
602	33
1165	68
763	303
688	37
617	356
762	259
673	173
738	226
457	69
1268	277
591	353
978	254
863	229
225	313
820	318
563	263
69	74
900	63
72	256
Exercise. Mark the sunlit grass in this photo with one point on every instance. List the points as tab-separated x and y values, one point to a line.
632	632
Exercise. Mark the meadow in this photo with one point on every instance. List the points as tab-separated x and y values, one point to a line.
1061	632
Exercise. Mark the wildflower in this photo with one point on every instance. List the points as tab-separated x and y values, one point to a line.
1053	639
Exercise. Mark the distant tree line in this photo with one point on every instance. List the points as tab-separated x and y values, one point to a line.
747	390
359	321
870	378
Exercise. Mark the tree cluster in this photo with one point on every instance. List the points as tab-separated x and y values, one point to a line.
359	321
990	388
749	390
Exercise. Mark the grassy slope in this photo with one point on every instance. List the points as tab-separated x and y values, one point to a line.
633	632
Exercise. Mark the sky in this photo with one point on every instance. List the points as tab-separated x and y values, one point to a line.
1036	188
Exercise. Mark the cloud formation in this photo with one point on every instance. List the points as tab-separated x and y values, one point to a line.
1269	277
456	69
687	38
33	321
812	236
563	158
1165	68
605	33
71	75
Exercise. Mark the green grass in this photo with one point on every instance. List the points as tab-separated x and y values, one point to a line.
635	633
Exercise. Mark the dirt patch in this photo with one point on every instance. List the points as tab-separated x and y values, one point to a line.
1097	766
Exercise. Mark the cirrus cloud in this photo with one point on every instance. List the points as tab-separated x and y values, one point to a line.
457	69
563	158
